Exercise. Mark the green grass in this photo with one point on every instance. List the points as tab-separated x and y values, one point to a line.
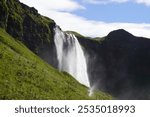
95	39
23	75
76	34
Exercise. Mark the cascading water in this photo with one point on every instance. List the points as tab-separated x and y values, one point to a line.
71	56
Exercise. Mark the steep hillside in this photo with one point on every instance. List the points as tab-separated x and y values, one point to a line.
127	62
28	26
119	64
25	76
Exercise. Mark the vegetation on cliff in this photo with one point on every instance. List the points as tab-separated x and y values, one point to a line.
23	75
27	25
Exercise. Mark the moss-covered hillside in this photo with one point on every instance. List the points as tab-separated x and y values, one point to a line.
27	25
25	76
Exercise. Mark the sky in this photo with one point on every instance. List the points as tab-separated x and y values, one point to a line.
96	18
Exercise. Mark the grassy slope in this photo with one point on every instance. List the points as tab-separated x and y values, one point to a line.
25	76
95	39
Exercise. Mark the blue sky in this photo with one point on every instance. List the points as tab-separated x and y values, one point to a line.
96	18
114	12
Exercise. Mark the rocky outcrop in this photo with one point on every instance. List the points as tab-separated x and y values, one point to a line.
3	14
28	26
120	64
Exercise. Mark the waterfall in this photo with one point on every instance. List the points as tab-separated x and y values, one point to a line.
70	56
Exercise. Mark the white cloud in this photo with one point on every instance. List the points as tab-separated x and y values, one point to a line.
63	5
146	2
69	21
105	1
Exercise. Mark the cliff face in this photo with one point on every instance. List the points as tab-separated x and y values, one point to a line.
28	26
119	64
127	62
3	14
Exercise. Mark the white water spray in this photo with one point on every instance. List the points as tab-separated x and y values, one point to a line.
92	89
71	56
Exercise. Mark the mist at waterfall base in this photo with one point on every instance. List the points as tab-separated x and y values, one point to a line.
70	56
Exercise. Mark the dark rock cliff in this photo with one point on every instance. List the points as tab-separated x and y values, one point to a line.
28	26
120	64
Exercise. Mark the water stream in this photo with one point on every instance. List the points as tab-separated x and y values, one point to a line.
71	56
